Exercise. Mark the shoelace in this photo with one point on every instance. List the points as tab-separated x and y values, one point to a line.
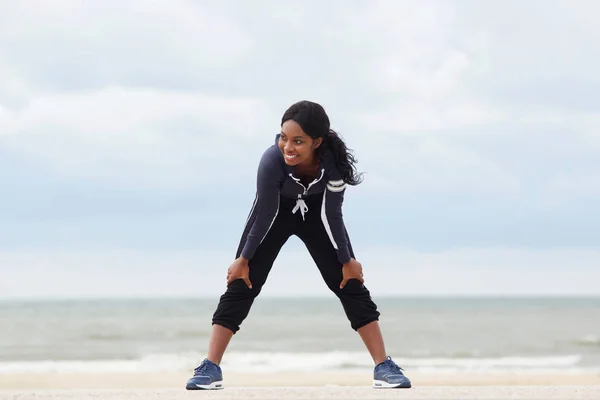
202	368
393	365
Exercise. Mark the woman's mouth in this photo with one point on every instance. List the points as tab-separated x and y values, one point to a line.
290	157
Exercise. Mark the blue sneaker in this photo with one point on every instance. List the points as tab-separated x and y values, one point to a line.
389	375
207	376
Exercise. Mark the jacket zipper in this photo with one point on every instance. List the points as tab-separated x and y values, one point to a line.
306	189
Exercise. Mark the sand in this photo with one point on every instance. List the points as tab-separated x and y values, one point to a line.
298	393
286	385
154	380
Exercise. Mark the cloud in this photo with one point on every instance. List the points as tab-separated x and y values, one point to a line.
429	163
147	104
458	88
111	91
71	45
543	43
476	122
162	138
564	187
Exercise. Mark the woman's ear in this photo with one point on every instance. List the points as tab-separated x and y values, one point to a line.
317	142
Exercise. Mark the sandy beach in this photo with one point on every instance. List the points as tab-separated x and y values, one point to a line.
285	385
341	392
156	380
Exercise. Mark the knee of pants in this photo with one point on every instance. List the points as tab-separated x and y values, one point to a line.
238	288
234	305
360	313
357	324
352	288
358	304
234	327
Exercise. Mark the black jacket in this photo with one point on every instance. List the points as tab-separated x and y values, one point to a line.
275	178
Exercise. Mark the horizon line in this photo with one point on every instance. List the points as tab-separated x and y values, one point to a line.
301	297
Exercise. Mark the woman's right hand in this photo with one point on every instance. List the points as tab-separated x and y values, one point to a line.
239	269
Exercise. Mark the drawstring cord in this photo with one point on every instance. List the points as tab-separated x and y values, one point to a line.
300	203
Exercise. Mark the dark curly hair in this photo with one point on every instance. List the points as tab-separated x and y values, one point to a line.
314	121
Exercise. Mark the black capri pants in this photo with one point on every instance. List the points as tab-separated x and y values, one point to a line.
234	305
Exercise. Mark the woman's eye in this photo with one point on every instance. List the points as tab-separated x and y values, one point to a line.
298	142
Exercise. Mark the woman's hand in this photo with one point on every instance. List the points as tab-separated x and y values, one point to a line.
351	270
239	269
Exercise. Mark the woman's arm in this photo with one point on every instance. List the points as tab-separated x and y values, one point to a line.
268	181
332	217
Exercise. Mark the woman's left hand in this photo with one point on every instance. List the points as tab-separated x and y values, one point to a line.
351	270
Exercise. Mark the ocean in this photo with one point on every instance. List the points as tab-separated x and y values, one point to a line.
421	334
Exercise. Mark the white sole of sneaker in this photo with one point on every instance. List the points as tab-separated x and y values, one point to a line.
213	386
384	385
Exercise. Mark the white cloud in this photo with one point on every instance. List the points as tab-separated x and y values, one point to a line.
90	90
549	40
566	186
14	87
388	271
411	74
588	124
429	164
5	119
82	44
415	117
452	70
418	53
162	137
421	62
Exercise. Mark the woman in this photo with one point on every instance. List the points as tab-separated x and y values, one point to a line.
300	189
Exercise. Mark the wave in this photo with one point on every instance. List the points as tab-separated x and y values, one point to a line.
281	361
264	361
127	336
588	340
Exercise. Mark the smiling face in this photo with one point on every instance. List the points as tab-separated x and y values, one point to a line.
296	146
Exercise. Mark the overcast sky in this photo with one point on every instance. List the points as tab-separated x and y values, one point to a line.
130	132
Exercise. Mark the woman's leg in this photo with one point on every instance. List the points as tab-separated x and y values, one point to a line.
373	339
357	303
219	340
234	305
356	300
